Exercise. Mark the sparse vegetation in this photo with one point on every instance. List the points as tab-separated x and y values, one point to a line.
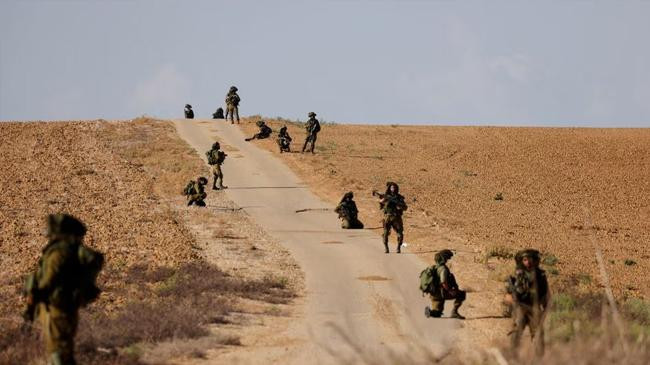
629	262
498	197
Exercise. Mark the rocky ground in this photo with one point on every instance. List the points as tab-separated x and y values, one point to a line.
163	259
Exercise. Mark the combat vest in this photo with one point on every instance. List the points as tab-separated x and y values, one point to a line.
75	281
393	202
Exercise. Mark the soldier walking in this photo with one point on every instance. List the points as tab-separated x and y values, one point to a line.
444	287
232	105
393	206
216	158
312	127
63	283
348	212
530	294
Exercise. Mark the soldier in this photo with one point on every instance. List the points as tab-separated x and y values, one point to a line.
195	192
312	127
189	113
348	212
446	289
284	140
393	206
265	131
63	282
232	105
218	114
216	158
530	294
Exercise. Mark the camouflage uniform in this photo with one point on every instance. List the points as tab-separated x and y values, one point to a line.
54	289
265	131
348	212
195	192
530	292
217	174
189	113
447	290
218	114
393	206
312	127
232	105
284	140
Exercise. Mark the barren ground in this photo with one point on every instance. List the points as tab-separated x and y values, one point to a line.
123	179
562	189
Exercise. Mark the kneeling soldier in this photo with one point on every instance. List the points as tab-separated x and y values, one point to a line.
348	212
444	288
195	192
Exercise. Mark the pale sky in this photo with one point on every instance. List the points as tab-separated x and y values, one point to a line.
555	63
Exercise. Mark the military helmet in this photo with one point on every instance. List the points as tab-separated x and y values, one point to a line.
216	146
188	106
348	195
389	184
530	253
284	128
202	180
259	123
311	114
233	88
64	224
443	256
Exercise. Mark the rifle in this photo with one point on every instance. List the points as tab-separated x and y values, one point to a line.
378	194
31	293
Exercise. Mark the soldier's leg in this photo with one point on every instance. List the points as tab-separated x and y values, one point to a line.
304	146
519	323
236	109
313	143
228	112
215	177
460	297
220	177
537	333
437	307
345	224
398	225
357	224
60	331
387	226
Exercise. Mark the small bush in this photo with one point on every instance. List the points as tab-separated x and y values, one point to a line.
550	260
629	262
500	252
498	197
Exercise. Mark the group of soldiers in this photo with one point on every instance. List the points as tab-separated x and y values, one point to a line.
232	108
527	290
65	278
312	128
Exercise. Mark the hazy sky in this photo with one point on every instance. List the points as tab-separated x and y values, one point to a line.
569	63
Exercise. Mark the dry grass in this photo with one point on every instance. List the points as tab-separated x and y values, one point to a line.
552	181
122	179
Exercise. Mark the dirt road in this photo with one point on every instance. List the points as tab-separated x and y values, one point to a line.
358	299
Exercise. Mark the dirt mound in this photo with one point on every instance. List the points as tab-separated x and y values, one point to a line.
555	189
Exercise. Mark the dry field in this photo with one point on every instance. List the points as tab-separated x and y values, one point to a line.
163	259
562	189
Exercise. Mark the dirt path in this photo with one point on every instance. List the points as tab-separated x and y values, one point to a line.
358	300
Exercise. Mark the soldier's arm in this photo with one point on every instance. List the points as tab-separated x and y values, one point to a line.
52	265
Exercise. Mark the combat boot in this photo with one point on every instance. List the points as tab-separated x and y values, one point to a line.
386	250
455	314
431	313
399	248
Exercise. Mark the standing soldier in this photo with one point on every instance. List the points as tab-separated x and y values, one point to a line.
265	131
232	105
64	282
216	158
530	294
312	127
189	113
443	287
348	212
195	192
393	206
284	140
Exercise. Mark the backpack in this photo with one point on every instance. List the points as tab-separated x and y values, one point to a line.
429	280
315	128
90	264
189	188
221	157
213	158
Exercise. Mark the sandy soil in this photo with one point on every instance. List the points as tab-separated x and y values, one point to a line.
562	189
123	179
